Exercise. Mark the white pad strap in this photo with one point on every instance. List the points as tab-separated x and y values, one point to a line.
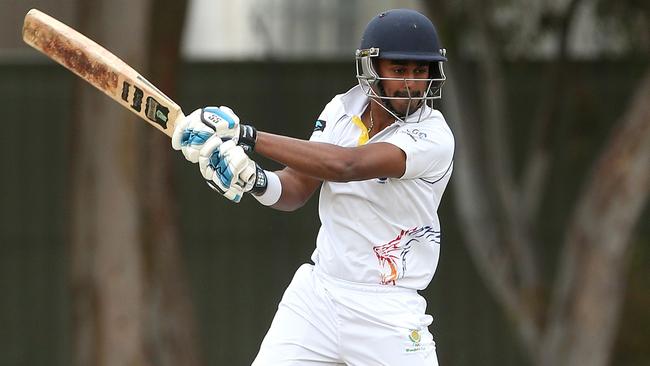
273	190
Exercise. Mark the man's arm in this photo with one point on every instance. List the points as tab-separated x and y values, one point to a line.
330	162
297	188
308	162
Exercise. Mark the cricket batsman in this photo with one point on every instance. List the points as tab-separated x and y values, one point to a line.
382	156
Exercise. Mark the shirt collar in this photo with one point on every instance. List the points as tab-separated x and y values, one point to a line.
354	101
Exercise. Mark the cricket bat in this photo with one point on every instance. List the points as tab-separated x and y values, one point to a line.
102	69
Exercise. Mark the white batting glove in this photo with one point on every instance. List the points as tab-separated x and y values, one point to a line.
224	121
226	125
190	135
194	130
227	168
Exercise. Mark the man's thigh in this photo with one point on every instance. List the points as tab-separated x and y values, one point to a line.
385	329
303	331
393	347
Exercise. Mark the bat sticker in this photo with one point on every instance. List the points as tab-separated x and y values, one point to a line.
156	112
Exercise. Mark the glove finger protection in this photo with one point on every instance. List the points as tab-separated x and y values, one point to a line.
177	134
190	135
248	175
212	163
227	168
227	125
233	193
224	122
244	169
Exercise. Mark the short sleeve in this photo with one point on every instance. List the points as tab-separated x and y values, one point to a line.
321	133
429	148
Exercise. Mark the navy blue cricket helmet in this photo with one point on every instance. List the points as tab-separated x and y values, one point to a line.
400	34
403	34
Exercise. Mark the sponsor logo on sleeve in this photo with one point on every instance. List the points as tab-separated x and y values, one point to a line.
319	126
415	134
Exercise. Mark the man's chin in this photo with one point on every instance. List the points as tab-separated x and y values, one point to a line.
402	110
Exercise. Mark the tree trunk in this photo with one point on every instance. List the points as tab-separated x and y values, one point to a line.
105	233
130	300
579	326
591	283
172	333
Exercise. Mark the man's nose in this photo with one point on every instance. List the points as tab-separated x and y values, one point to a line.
409	77
411	81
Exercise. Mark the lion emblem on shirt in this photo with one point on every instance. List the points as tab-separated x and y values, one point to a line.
393	256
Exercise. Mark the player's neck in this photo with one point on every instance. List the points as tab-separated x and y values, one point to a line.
376	118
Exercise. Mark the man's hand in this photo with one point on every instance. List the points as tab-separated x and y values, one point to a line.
190	135
227	168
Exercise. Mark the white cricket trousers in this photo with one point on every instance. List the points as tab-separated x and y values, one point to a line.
326	321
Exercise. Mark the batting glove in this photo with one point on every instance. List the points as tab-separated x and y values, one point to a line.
227	168
195	129
190	134
226	125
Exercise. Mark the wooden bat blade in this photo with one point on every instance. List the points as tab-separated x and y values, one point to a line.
101	68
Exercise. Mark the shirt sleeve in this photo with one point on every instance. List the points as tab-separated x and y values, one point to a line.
429	149
321	131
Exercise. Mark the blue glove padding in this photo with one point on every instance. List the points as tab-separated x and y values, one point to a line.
227	168
195	129
226	125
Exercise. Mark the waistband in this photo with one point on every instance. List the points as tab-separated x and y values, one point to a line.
358	286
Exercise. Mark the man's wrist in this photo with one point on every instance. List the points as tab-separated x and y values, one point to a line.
261	181
272	191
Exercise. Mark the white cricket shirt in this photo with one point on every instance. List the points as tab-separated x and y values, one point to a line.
385	230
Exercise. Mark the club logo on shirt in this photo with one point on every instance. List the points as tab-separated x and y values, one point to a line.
414	336
393	256
319	126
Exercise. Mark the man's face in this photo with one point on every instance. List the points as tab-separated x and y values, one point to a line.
404	88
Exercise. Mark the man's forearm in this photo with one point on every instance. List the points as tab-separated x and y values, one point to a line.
318	160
